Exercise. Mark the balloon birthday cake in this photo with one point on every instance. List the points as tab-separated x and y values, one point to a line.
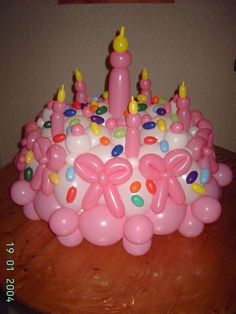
118	167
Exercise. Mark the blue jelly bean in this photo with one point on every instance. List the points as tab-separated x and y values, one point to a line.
70	174
164	146
192	176
161	111
97	119
204	175
68	130
69	112
95	98
117	150
149	125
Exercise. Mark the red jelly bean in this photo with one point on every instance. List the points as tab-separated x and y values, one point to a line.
151	186
59	138
150	140
76	105
71	194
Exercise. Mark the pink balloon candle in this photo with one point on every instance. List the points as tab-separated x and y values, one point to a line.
119	81
57	117
145	85
132	140
183	104
80	87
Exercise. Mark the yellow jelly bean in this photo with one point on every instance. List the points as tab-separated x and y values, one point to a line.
161	123
141	98
105	94
198	188
54	178
95	128
29	157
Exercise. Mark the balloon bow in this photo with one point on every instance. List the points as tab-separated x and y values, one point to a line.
103	179
164	172
51	157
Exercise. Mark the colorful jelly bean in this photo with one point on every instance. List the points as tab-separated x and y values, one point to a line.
97	119
141	97
68	130
161	111
155	99
164	146
119	133
69	112
28	174
70	174
54	178
83	105
76	105
204	175
47	124
161	124
117	150
71	194
29	157
198	188
93	108
137	200
59	138
104	140
192	177
101	110
142	107
174	117
74	121
95	128
151	186
150	140
135	186
149	125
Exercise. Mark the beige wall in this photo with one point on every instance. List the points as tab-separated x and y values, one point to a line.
42	42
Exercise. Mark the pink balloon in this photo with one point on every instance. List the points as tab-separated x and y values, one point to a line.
138	229
21	192
191	227
100	227
30	212
136	249
72	239
224	175
169	219
213	189
64	221
45	205
206	209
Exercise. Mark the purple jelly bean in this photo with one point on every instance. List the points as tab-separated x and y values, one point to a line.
192	176
97	119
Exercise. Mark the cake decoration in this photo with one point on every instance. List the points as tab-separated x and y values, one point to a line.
119	167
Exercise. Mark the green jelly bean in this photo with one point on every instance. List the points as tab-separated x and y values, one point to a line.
74	121
137	200
142	107
162	101
174	117
28	174
101	110
47	124
119	133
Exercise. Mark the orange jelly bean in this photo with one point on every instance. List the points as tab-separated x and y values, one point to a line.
104	140
93	108
135	187
151	186
155	100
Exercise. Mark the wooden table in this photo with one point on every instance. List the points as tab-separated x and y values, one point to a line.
178	275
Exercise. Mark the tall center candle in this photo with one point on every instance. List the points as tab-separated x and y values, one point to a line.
119	80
